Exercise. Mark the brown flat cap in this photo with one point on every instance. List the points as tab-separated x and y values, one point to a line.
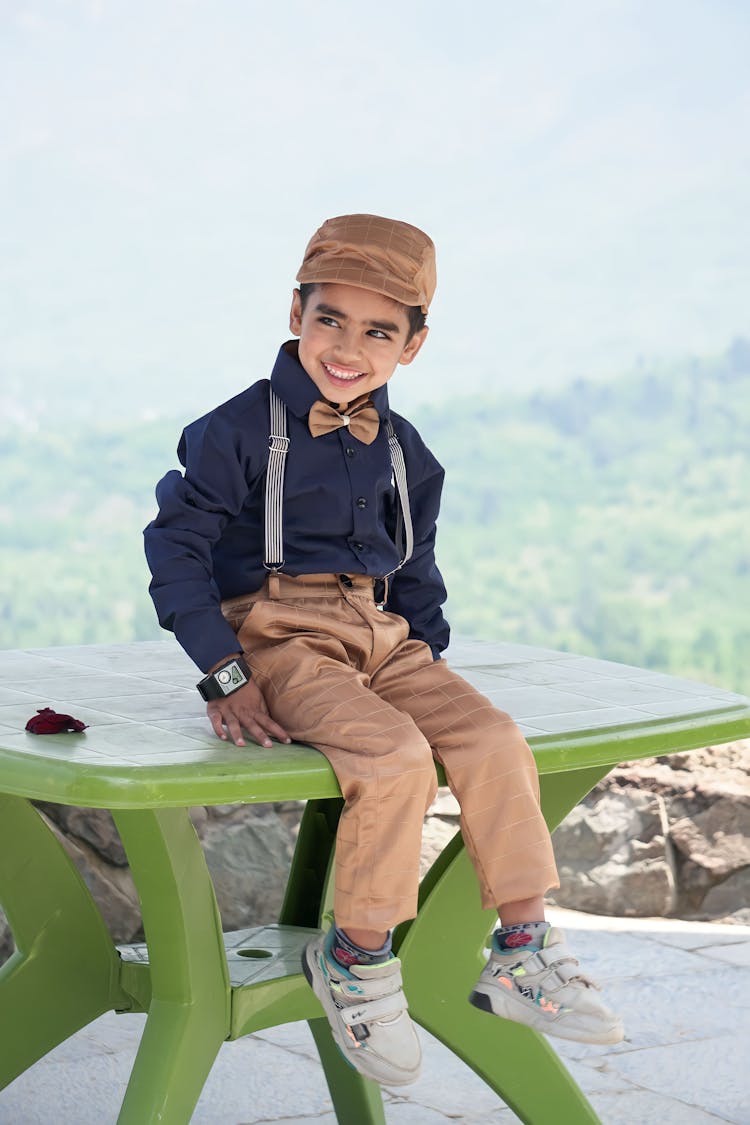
371	252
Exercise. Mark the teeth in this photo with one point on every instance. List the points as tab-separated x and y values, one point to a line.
338	374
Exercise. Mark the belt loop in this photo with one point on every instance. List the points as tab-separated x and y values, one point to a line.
274	586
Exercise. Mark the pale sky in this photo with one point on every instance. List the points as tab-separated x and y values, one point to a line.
583	167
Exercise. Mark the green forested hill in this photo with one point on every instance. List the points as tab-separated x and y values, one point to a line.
608	517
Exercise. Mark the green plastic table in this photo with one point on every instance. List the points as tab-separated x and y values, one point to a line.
149	754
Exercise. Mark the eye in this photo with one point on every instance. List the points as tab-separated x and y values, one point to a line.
328	321
378	334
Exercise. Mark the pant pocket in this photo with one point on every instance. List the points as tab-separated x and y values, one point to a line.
236	615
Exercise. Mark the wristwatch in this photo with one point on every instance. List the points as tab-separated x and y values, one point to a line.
232	675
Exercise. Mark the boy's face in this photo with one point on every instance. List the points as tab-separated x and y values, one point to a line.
351	340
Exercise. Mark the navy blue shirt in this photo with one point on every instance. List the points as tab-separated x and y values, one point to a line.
339	516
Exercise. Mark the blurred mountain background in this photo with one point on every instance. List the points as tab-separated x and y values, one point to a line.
584	170
608	518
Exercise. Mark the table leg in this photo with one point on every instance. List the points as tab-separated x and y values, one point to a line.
65	971
188	1017
307	899
561	792
355	1099
443	953
310	877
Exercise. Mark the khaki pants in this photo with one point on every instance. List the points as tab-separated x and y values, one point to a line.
342	675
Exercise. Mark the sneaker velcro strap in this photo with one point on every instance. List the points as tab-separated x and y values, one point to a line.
554	956
570	972
559	960
567	970
374	1009
373	987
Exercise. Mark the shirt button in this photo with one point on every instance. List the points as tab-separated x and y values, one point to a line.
361	502
358	546
350	451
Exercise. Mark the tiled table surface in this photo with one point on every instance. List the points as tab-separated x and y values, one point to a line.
142	709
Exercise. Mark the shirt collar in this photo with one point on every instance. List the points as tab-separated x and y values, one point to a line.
296	389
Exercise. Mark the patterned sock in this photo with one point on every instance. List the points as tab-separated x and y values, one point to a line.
347	953
524	935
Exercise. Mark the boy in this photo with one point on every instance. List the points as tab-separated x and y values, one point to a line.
302	580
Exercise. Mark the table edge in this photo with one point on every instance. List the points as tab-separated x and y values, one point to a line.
127	786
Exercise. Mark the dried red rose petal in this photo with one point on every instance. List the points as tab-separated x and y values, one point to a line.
47	721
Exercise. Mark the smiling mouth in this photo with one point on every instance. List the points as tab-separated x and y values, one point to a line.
341	374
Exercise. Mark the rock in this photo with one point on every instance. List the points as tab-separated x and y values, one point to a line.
435	835
445	804
290	815
717	839
94	826
613	856
694	775
111	887
249	863
705	837
217	812
199	817
730	900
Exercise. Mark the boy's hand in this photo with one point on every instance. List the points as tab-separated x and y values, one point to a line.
246	708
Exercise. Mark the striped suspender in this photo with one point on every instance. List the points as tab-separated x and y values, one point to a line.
278	447
399	473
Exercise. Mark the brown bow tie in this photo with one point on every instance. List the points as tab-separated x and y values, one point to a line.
361	417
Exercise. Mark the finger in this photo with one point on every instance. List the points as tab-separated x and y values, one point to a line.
274	729
217	722
257	733
263	718
235	730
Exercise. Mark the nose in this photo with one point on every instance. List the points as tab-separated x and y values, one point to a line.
347	347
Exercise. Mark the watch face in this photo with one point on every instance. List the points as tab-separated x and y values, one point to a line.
230	678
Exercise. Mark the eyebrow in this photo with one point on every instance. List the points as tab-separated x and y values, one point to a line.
383	325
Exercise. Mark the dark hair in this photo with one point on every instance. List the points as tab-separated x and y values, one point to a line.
414	313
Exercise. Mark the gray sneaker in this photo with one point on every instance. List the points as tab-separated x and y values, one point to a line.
366	1009
545	990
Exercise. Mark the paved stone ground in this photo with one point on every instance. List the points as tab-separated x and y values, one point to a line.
683	989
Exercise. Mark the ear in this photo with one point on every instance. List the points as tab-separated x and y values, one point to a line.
295	314
412	348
